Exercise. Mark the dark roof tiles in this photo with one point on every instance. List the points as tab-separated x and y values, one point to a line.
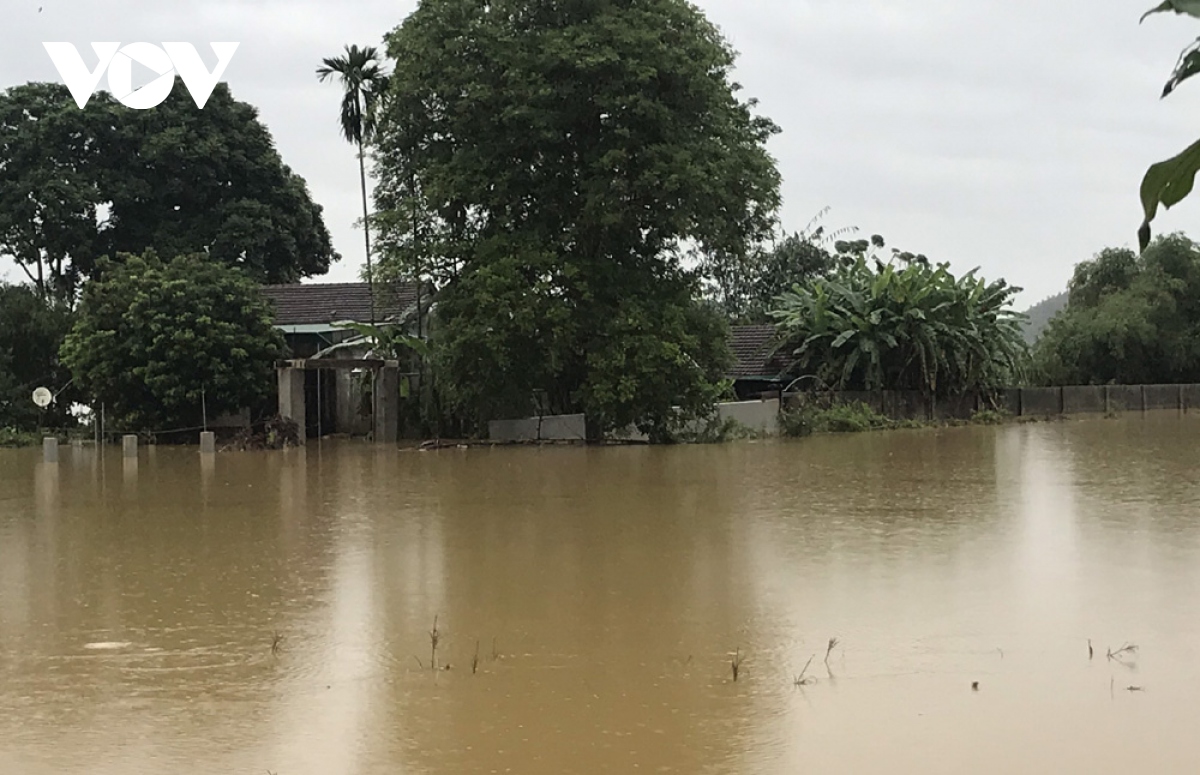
753	347
317	303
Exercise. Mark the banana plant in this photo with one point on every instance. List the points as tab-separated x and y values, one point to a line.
1169	182
912	328
389	340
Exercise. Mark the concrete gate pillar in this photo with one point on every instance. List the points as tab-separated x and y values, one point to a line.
387	404
291	398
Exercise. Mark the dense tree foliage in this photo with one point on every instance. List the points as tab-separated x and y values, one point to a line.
745	290
546	165
51	175
903	325
159	342
1129	319
30	334
210	181
509	339
79	184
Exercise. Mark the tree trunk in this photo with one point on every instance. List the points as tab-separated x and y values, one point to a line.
420	279
362	177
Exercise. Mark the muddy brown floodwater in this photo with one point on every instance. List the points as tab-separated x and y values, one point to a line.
606	590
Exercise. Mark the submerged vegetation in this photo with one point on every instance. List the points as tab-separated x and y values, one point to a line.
813	415
12	437
810	417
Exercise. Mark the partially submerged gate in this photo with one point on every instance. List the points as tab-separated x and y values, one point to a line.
385	393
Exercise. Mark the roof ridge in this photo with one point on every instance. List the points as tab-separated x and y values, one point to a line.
318	303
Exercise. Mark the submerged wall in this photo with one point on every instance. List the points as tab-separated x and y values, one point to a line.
1028	402
563	427
762	416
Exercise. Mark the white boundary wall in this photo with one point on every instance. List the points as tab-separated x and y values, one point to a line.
561	427
760	416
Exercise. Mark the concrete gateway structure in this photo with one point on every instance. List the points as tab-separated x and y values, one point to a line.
333	383
310	315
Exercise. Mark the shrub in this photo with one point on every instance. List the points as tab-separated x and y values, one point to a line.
856	417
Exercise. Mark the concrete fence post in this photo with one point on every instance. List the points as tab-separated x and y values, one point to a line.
130	445
50	449
1143	387
208	443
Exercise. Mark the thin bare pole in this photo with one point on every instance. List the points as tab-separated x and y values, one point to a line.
362	176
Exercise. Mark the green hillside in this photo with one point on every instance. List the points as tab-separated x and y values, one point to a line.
1041	313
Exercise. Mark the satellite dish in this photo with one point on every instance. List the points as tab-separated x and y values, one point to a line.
42	397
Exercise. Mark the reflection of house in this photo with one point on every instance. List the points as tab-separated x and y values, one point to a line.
758	367
311	318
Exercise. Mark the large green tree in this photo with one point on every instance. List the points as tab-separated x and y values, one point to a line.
31	332
1130	319
52	165
80	184
556	161
184	180
162	342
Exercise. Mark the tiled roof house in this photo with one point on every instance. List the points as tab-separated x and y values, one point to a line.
309	314
758	367
306	308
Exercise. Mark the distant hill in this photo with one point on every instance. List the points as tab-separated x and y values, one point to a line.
1041	313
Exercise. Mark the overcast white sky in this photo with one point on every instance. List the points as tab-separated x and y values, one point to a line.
1006	134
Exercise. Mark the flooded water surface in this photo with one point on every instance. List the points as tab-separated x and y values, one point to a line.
272	612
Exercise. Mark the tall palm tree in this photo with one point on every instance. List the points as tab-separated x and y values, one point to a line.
360	72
